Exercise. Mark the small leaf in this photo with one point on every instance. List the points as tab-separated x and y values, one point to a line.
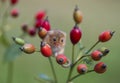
81	47
88	61
12	52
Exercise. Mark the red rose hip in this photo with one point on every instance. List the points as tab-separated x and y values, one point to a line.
46	24
75	35
40	15
96	55
82	68
13	2
38	23
106	36
45	50
14	13
61	59
100	68
32	31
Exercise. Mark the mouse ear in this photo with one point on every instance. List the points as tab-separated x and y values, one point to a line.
63	33
51	32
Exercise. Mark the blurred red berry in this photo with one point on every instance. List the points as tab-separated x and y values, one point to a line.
82	68
105	36
61	59
46	50
13	2
24	27
14	13
100	68
75	35
32	31
40	15
38	23
46	24
96	55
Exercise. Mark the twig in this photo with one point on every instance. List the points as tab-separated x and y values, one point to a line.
92	47
79	75
71	67
53	70
10	72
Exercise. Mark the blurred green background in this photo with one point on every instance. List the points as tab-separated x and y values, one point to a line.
99	15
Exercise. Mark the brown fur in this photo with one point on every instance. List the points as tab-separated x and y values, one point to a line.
56	39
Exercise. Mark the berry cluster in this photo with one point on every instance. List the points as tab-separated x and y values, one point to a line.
42	26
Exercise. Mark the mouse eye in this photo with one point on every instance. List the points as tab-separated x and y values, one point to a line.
54	39
62	40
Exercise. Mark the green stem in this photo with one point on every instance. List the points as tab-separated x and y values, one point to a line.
71	67
79	60
79	75
73	53
70	73
53	70
3	23
92	47
10	72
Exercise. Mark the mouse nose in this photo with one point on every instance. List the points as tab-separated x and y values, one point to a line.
56	44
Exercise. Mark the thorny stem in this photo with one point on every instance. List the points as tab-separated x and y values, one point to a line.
53	70
10	72
92	47
79	75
